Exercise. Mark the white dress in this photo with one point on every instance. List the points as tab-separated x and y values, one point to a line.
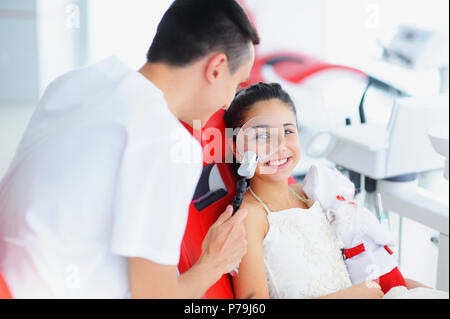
301	255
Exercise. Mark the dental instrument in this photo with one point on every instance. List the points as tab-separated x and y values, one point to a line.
246	171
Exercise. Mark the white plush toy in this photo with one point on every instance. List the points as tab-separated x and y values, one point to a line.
364	241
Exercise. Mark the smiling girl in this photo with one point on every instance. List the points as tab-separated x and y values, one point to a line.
292	250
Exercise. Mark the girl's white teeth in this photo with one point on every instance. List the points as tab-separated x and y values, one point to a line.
278	163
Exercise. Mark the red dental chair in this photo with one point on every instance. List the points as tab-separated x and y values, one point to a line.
206	207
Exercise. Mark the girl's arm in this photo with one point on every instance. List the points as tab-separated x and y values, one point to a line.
365	290
251	280
368	290
410	284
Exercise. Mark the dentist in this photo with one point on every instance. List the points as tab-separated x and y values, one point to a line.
95	203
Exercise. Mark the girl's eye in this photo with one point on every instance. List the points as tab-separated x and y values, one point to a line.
288	132
262	136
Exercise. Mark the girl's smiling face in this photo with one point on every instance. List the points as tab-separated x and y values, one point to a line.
277	165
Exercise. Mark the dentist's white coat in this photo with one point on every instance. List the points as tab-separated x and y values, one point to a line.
104	172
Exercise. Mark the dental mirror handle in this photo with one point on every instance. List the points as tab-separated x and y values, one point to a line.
241	186
246	171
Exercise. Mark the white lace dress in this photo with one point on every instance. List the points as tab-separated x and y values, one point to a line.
301	255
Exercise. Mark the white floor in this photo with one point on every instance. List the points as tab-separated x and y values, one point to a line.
419	254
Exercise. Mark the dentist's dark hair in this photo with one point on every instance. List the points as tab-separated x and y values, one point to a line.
191	29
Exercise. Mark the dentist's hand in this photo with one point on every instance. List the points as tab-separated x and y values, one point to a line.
222	250
225	244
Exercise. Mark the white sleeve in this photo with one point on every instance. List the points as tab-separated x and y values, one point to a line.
151	203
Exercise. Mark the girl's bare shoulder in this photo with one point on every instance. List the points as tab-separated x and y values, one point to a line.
257	216
252	204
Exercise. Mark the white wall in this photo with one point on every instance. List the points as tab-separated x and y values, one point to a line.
18	48
56	52
62	38
124	28
293	25
39	40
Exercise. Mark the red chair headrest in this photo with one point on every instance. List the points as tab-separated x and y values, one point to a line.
215	190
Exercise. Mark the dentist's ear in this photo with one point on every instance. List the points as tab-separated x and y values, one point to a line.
217	64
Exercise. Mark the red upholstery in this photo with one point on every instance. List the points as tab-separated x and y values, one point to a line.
199	222
293	67
4	291
197	227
